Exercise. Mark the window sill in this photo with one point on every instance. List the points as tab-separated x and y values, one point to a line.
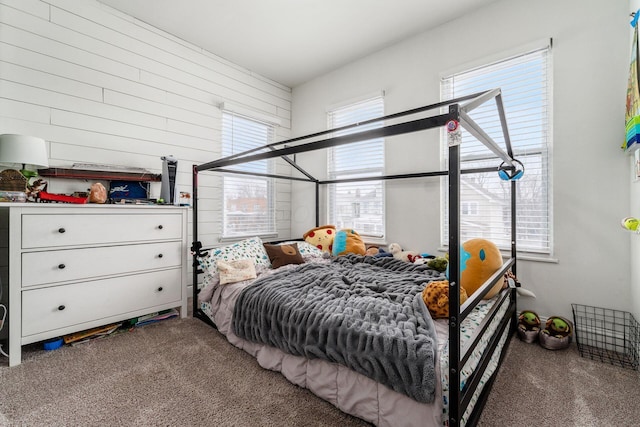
522	256
228	239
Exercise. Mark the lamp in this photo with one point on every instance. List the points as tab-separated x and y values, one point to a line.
25	150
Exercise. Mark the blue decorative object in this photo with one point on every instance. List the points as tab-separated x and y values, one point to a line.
128	190
634	21
53	344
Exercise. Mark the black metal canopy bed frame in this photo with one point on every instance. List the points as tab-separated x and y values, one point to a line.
456	114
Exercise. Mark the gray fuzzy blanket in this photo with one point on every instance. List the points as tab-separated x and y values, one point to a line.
363	312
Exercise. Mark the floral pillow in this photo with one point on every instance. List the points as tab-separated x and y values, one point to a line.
246	249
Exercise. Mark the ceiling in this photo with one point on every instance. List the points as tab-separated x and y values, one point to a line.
293	41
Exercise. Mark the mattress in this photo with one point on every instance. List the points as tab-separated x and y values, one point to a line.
349	391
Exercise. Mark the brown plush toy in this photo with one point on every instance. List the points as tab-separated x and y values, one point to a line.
371	251
436	298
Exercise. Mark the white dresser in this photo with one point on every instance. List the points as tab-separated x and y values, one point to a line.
75	267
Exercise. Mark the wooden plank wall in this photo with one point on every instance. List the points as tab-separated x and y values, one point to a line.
103	87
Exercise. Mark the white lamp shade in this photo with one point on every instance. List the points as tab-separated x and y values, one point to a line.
22	149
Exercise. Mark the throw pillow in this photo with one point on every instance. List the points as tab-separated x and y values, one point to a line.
284	254
236	270
245	249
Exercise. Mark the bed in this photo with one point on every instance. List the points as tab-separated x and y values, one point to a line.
440	372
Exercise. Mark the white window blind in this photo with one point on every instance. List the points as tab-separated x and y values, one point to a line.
357	205
525	85
248	205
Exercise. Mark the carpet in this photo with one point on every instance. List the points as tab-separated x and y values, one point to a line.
179	372
182	372
545	388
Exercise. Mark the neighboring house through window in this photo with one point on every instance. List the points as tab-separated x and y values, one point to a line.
248	202
357	205
525	84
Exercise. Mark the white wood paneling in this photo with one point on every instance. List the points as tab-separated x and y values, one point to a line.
102	87
37	8
16	109
43	80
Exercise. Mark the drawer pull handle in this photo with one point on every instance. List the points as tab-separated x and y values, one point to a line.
61	230
160	289
61	307
159	255
61	266
160	227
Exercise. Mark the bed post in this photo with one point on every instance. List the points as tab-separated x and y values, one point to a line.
454	266
317	204
514	267
194	283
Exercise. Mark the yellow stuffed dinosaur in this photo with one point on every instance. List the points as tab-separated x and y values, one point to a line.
436	297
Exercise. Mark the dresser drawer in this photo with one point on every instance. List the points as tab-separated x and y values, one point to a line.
41	231
39	268
48	309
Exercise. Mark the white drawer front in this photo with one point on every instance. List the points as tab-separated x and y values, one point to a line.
57	307
39	268
41	231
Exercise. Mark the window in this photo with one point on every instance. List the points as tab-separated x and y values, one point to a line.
357	205
469	208
525	85
248	205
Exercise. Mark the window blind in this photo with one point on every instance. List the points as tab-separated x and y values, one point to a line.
357	205
484	198
248	205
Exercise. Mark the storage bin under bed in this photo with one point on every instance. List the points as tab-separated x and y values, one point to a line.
611	336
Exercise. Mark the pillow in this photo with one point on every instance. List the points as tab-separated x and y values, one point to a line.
305	248
236	270
246	249
283	254
321	237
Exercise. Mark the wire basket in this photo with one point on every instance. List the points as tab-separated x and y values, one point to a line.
611	336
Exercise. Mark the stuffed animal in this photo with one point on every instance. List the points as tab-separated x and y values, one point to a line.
528	326
529	321
321	237
438	263
408	256
436	297
372	251
347	242
557	333
479	259
383	254
557	327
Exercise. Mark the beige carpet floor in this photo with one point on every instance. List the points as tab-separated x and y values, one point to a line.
536	387
181	372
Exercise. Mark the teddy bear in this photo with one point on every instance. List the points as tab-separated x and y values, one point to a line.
372	251
436	297
408	256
